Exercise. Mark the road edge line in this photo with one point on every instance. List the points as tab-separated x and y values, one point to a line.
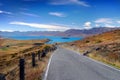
48	66
103	64
99	62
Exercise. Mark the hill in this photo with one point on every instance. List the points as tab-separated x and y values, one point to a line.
85	32
67	33
12	50
1	41
104	47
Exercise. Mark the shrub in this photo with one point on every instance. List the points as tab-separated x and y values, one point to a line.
87	41
99	41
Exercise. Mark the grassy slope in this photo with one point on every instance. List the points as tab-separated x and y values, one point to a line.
104	47
12	50
1	41
9	46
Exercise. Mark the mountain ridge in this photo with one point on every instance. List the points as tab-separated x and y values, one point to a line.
67	33
104	47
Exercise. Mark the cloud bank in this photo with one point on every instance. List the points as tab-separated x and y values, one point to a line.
107	22
41	26
104	20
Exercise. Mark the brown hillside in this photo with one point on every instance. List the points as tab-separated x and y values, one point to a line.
101	39
12	50
104	47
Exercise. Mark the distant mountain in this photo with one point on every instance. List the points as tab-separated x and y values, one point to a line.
5	33
67	33
29	33
86	32
43	33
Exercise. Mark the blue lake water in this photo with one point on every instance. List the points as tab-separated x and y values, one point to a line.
52	38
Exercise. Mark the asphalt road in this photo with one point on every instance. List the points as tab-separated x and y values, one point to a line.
68	65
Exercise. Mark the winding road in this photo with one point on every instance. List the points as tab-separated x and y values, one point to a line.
68	65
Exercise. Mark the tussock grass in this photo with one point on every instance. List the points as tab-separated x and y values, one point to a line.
9	59
104	47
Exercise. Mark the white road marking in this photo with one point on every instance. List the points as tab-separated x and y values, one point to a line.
98	62
48	66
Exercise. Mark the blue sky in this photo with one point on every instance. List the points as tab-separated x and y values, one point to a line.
58	15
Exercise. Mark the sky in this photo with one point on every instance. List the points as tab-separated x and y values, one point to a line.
58	15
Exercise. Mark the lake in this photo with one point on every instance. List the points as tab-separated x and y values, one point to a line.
52	38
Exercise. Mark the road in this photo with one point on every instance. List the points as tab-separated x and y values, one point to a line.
68	65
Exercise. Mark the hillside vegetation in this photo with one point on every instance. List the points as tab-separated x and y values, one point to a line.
12	50
104	47
1	41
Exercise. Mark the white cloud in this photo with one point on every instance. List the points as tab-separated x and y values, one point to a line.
30	14
110	26
7	30
41	26
87	25
5	12
97	25
66	2
118	22
58	14
104	20
108	22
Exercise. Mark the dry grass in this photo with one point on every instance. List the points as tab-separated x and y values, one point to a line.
10	55
31	73
1	41
101	39
105	60
103	47
9	46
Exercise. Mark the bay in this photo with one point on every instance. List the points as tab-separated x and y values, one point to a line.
53	39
